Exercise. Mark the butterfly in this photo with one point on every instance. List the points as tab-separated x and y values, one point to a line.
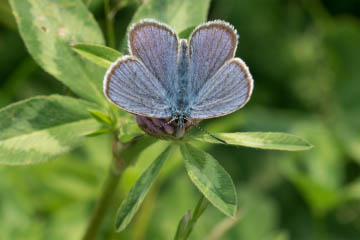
167	77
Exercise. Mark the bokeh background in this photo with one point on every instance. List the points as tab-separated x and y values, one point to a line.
305	58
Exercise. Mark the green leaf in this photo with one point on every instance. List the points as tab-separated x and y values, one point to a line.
6	17
98	132
48	29
210	178
43	128
98	54
137	193
263	140
182	229
131	154
128	129
185	34
101	117
180	15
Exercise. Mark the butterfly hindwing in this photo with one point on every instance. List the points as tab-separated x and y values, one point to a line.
211	45
225	92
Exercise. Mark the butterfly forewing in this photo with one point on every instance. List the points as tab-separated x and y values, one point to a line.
156	45
131	86
225	92
211	45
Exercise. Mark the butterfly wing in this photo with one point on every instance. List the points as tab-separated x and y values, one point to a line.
156	45
220	84
227	91
211	45
132	87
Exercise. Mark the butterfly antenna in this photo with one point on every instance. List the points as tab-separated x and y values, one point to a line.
206	132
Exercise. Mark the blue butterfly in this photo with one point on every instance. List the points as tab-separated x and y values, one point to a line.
167	77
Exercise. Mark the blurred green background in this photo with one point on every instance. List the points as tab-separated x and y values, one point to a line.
305	58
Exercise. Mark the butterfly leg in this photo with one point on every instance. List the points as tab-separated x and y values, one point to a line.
172	119
203	130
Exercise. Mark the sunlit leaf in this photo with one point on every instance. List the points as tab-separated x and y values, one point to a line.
185	34
101	117
98	132
48	29
263	140
181	232
43	128
98	54
210	178
180	15
137	193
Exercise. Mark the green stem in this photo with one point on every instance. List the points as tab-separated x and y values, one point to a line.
187	223
102	205
108	191
109	24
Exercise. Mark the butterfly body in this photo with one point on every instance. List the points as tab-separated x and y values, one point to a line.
170	78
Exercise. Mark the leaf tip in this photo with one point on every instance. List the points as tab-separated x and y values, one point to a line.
120	224
118	227
310	146
306	145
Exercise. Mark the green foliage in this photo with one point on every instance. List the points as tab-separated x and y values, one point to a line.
43	128
98	132
48	29
6	17
210	178
185	34
98	54
306	84
181	15
137	193
128	129
178	14
137	147
184	224
269	140
101	117
187	223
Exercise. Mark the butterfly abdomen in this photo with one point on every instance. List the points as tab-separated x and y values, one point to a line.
182	78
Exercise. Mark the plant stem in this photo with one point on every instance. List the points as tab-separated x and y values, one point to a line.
108	191
109	24
187	223
103	203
